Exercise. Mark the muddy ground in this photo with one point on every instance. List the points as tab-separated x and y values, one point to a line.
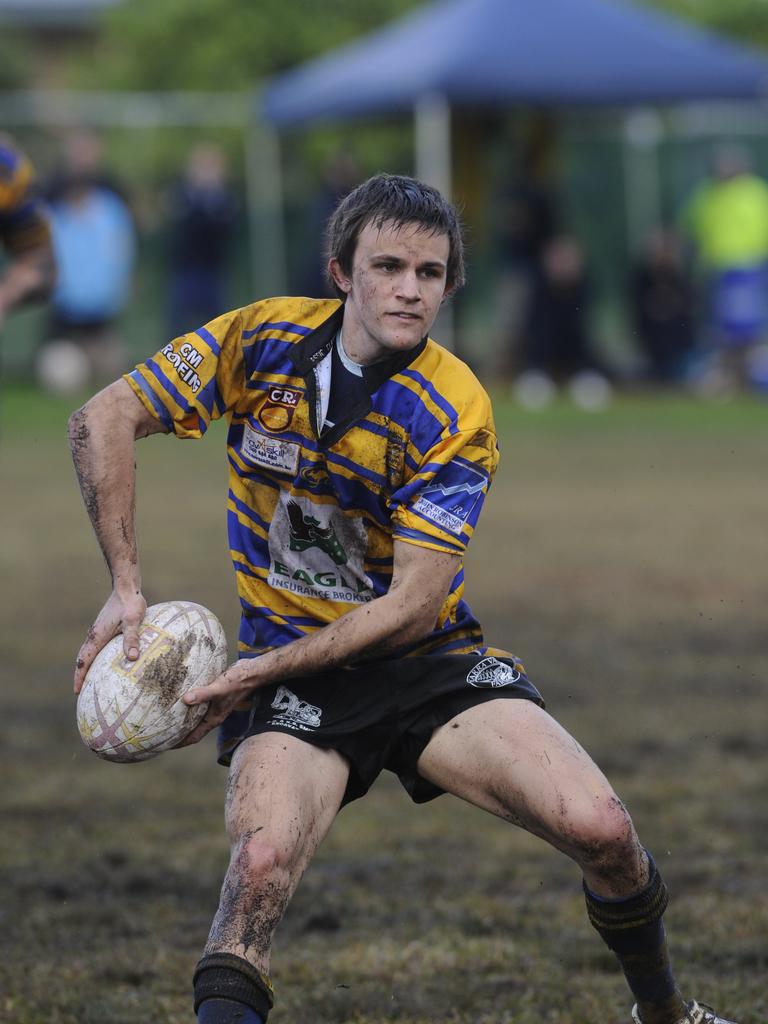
621	555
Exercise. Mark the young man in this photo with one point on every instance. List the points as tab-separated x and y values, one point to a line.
24	233
360	454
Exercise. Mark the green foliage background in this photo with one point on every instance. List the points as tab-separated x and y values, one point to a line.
230	44
745	20
234	46
14	57
223	44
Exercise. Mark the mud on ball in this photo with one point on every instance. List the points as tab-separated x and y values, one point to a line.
129	711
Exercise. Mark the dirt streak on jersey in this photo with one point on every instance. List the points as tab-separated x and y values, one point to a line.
22	222
313	516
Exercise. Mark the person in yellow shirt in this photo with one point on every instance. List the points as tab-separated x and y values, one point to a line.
24	234
360	453
726	219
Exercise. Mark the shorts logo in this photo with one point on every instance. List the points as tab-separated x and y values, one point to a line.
491	673
295	713
277	412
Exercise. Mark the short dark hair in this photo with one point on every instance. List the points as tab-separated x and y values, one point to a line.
400	200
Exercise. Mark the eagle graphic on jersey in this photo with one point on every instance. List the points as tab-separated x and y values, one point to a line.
306	532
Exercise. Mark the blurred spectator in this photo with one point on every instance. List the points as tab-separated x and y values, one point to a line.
203	221
94	244
525	222
24	233
663	308
727	222
340	176
557	349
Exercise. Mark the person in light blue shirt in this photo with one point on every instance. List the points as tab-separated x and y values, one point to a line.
94	242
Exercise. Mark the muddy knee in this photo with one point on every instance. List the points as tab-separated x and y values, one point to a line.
603	841
253	898
257	884
256	863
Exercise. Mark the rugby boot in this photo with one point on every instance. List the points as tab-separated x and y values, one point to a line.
695	1013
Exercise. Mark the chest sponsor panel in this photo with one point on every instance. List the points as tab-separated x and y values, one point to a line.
275	453
315	551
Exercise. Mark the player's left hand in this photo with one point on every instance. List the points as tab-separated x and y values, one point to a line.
222	695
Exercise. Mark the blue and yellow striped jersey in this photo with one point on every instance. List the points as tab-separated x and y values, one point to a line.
313	515
22	222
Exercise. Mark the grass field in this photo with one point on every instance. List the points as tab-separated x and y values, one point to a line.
622	555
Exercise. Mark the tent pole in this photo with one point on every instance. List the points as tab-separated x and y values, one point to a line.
642	185
432	141
433	165
265	208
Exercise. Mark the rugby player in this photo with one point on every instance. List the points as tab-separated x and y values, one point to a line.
360	454
24	233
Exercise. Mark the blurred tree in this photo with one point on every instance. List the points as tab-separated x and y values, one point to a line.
14	58
230	44
222	44
744	20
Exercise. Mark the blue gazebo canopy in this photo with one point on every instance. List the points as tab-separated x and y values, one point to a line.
496	52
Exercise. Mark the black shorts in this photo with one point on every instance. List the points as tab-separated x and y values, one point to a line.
378	715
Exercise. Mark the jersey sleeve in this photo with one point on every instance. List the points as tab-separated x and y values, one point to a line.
195	378
439	506
23	222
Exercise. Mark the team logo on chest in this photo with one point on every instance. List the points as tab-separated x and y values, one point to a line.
277	412
314	476
397	444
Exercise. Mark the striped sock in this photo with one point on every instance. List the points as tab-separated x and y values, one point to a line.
230	990
633	929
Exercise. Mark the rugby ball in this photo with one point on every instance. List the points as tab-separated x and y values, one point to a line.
130	711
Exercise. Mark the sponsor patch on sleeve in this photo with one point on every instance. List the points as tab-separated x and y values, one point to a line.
450	499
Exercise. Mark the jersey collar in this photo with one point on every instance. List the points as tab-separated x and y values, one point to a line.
311	350
308	353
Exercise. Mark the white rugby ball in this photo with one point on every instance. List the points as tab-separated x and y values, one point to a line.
132	710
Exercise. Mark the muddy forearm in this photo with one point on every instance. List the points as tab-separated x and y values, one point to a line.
373	630
102	445
398	618
29	277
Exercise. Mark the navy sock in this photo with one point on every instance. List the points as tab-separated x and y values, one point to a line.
227	1011
633	929
230	990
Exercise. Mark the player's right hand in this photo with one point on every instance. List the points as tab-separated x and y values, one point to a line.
121	614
